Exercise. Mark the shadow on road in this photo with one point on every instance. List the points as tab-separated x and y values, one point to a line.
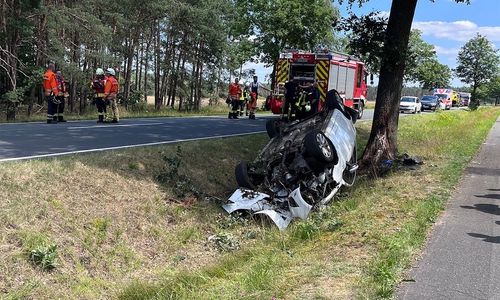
486	238
486	208
482	171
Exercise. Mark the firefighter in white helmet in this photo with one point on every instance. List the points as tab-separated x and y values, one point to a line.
97	85
110	93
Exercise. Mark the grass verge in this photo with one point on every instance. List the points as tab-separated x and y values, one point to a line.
146	223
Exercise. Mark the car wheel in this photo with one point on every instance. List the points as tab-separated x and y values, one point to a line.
242	178
349	177
415	111
361	109
272	128
320	147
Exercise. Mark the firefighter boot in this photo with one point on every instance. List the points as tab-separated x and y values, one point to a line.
101	119
235	115
230	115
61	119
115	120
54	120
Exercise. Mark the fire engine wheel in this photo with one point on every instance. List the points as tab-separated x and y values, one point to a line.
242	178
272	128
349	177
360	110
320	147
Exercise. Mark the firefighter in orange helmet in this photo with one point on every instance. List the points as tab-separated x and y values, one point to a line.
234	94
110	93
51	90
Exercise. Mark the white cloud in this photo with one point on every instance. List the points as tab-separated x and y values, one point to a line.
461	31
446	51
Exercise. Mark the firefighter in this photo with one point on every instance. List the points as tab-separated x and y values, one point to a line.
110	93
255	85
252	104
303	103
244	98
62	94
314	98
97	85
51	90
234	94
289	107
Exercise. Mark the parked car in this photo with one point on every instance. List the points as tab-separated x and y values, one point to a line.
430	102
302	167
410	104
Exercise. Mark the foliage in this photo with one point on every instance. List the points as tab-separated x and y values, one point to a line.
287	24
477	63
367	38
44	256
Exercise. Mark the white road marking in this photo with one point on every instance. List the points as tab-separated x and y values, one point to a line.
124	147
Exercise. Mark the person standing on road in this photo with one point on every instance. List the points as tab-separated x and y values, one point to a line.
110	93
51	90
255	85
234	94
62	94
98	84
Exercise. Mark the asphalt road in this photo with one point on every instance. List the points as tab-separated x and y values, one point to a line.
462	258
35	140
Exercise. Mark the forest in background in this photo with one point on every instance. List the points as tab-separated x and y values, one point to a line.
178	51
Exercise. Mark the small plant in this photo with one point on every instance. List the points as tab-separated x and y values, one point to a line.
225	221
306	230
171	170
178	258
182	186
44	256
225	242
334	224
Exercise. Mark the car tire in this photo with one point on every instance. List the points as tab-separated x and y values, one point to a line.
415	111
361	109
242	178
319	147
349	177
272	128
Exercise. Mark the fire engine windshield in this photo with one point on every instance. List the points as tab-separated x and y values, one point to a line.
443	96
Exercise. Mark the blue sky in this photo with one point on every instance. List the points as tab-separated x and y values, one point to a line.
444	23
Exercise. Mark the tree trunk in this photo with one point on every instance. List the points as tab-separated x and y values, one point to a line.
383	143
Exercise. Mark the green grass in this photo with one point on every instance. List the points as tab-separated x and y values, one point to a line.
121	233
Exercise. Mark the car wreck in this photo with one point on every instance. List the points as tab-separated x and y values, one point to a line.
302	167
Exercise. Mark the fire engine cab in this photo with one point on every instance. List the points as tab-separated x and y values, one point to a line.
331	70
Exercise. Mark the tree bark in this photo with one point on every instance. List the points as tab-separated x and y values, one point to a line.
383	142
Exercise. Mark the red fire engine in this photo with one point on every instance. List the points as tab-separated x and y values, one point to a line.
332	70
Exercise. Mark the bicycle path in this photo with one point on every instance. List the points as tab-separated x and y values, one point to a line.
461	260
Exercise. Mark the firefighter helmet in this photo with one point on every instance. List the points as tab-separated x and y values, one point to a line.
99	71
111	71
247	84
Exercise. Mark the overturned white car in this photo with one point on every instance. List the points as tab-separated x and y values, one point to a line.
302	167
